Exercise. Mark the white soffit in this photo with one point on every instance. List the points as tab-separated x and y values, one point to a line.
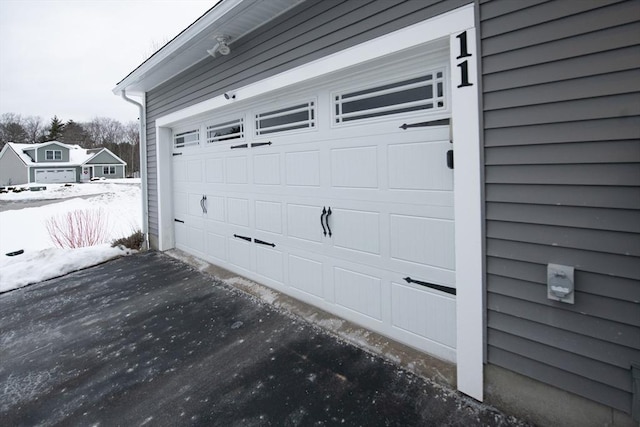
233	18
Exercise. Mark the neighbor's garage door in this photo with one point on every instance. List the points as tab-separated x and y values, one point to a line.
55	175
338	194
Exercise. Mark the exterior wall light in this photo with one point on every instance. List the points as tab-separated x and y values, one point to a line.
222	46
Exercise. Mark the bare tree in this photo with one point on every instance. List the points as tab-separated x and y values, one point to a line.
103	130
12	129
35	129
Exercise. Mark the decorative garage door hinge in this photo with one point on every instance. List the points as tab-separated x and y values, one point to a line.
260	144
441	122
177	154
441	288
178	220
253	145
258	241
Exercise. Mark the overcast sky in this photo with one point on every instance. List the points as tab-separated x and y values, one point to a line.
64	57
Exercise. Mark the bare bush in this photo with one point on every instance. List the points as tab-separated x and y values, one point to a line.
79	228
134	241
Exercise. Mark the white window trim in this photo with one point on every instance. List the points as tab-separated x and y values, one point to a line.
53	154
467	172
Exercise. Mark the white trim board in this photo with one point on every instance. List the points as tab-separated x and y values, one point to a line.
467	174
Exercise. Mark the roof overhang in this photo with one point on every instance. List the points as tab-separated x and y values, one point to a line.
232	18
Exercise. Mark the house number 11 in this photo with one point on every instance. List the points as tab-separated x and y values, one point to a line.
464	65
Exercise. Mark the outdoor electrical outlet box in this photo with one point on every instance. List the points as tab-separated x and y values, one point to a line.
560	285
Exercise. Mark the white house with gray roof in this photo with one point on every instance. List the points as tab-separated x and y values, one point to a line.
56	162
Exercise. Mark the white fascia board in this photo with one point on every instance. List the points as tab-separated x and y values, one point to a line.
168	52
423	32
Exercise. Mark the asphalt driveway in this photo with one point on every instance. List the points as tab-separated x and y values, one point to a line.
148	340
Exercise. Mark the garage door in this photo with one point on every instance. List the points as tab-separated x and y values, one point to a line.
339	193
55	175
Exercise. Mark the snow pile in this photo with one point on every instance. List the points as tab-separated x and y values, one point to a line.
25	229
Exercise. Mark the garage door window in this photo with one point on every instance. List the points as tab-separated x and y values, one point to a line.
186	139
299	116
421	93
221	132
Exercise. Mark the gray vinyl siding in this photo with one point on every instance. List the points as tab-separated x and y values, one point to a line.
104	158
42	154
309	31
561	111
13	171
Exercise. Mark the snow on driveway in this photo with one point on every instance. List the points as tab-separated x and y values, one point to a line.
25	229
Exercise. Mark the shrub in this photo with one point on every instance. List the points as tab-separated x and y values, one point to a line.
134	241
79	228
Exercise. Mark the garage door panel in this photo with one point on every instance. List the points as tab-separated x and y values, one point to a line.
270	263
180	203
239	252
356	230
215	208
303	168
420	166
355	167
238	211
266	169
422	240
303	222
214	170
196	238
217	246
179	171
236	170
269	216
426	314
194	171
306	275
358	292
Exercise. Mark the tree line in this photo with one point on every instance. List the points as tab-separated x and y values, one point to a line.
121	139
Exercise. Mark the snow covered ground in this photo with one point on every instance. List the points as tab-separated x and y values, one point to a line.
24	228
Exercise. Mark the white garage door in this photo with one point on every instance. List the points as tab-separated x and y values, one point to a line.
55	175
339	193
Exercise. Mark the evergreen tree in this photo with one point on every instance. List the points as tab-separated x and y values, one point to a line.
56	128
74	133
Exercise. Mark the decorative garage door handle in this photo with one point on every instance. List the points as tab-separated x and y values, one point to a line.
203	204
441	122
432	285
324	212
324	220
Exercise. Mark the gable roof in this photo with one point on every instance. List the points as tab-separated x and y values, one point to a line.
95	152
78	156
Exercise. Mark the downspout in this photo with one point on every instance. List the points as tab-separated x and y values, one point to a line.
143	167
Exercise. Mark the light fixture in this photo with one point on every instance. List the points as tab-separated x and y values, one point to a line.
222	46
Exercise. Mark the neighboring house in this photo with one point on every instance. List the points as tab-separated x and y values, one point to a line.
54	161
317	157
